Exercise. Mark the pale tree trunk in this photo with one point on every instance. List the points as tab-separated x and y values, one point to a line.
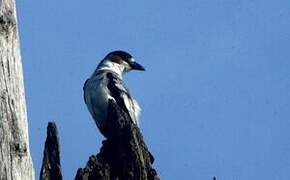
15	159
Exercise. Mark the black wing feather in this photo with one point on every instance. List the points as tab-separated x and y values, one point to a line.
116	92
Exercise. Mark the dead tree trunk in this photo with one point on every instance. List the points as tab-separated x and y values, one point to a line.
124	154
15	160
51	167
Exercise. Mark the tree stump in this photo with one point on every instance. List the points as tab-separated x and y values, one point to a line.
123	155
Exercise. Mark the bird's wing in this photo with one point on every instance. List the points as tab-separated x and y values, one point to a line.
119	92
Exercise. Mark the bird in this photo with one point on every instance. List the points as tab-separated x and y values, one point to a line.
106	83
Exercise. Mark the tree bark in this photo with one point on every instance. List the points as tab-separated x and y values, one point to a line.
15	159
123	156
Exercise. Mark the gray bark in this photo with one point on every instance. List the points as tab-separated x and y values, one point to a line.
15	159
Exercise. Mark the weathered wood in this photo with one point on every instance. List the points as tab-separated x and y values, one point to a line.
51	167
123	156
15	160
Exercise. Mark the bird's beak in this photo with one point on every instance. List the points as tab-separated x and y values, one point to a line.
137	66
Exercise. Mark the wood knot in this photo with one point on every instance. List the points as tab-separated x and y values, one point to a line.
7	21
20	149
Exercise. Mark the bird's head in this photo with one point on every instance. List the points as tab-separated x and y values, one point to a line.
121	61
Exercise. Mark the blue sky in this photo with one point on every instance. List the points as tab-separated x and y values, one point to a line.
215	96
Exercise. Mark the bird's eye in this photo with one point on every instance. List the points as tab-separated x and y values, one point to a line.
131	60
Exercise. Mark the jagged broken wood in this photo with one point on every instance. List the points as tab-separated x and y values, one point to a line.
123	156
15	159
51	167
